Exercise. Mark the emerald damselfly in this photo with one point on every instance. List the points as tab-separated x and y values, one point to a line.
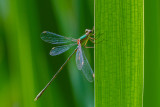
81	60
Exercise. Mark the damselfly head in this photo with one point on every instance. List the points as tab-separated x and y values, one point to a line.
88	30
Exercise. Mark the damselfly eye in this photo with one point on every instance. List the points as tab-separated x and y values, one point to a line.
86	30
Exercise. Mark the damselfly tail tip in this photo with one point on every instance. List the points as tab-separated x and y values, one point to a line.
36	99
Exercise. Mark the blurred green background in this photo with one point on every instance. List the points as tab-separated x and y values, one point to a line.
25	64
151	96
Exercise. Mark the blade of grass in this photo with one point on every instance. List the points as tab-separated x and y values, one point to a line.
119	60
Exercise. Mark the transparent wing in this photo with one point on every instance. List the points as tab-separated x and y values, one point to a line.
79	57
60	49
54	38
87	70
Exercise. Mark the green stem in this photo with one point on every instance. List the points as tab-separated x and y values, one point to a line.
119	57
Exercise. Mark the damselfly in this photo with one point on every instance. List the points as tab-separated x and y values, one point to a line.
81	60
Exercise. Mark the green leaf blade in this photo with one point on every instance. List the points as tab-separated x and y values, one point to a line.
119	60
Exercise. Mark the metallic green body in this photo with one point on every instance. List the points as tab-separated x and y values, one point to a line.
82	37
